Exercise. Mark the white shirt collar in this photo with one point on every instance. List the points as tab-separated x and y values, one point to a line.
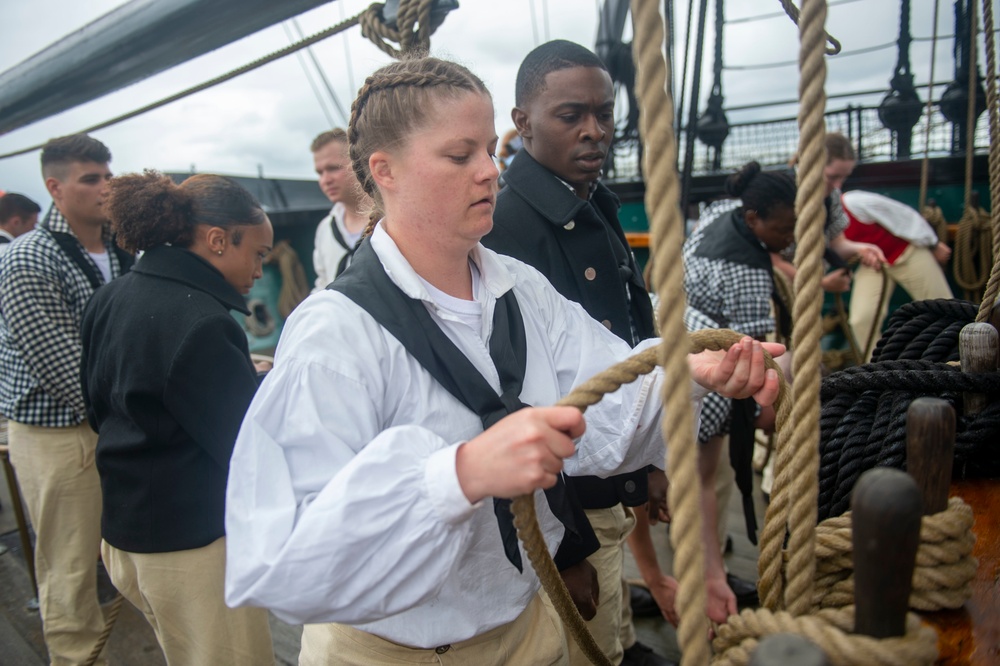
495	277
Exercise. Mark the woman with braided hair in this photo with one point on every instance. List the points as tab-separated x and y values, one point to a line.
367	490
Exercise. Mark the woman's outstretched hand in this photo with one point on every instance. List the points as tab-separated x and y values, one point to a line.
739	372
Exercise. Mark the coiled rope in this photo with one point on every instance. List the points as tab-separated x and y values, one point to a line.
830	629
925	330
944	568
863	424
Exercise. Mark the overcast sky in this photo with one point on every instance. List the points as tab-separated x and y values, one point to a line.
266	119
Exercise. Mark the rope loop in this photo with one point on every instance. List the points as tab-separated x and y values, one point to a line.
587	394
944	570
830	629
414	26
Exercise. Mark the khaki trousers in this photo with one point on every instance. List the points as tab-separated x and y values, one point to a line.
56	472
612	527
181	595
915	270
535	638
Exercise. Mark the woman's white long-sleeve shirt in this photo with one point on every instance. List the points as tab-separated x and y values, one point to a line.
343	502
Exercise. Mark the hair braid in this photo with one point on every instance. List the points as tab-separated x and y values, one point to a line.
393	103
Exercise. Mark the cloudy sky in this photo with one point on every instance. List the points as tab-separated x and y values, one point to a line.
264	120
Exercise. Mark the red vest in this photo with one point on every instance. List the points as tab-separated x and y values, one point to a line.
874	233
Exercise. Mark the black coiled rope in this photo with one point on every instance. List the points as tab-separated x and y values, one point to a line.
863	419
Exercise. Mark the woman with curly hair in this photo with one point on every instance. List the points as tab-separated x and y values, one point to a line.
167	379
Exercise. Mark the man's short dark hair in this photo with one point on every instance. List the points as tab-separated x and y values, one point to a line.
550	57
329	136
73	148
13	204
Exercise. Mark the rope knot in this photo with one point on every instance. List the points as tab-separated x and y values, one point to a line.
414	26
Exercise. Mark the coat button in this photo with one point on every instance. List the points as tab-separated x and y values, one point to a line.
630	486
569	225
442	649
607	324
590	274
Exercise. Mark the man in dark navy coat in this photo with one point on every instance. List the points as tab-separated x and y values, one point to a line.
555	215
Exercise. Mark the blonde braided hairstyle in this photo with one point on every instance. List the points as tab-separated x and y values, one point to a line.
393	103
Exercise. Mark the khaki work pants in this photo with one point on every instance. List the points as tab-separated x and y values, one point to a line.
535	637
915	270
56	472
181	595
612	527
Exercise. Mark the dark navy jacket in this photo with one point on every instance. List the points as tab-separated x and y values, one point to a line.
582	250
167	379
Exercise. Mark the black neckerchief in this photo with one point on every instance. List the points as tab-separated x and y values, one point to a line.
366	283
345	260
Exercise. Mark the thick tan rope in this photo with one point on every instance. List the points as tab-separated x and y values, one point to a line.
935	217
830	629
993	286
793	503
656	117
109	625
944	568
414	27
294	286
973	251
583	396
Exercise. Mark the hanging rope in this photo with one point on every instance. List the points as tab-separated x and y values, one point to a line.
993	286
411	13
667	228
793	502
925	164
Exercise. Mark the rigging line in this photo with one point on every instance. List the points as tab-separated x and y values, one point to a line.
309	78
863	93
534	22
787	63
684	71
760	17
925	163
322	75
249	67
545	18
347	53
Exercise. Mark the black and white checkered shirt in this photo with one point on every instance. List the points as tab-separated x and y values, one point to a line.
42	296
728	279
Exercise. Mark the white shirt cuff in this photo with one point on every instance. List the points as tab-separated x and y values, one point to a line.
443	489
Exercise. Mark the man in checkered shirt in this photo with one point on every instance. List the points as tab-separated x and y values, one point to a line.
46	279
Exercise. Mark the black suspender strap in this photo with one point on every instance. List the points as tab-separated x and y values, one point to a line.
365	282
70	246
